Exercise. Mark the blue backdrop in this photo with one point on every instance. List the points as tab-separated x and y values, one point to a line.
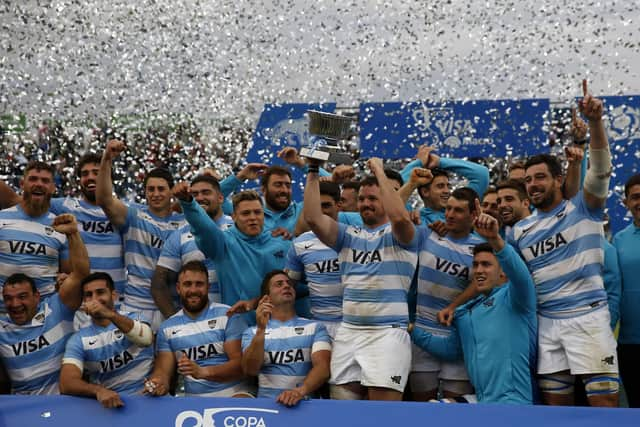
66	411
460	129
485	128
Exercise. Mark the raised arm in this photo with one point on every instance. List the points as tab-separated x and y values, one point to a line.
322	225
477	175
419	177
70	289
401	224
596	182
115	210
161	281
208	237
253	355
522	291
572	181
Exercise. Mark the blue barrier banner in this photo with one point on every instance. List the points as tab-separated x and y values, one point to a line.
622	120
462	129
66	411
283	125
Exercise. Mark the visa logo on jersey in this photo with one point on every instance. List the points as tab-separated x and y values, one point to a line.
27	248
102	227
452	268
30	346
547	245
328	266
365	257
116	362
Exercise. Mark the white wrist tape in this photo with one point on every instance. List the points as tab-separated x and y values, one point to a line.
140	334
598	175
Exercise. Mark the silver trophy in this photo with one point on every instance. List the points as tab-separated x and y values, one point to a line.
327	130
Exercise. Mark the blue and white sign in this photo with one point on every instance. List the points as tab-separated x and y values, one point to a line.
464	129
622	120
283	125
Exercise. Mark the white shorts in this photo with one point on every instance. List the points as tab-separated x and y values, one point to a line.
242	389
582	345
371	357
154	317
332	328
446	370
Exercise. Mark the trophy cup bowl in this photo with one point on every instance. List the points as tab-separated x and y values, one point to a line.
328	129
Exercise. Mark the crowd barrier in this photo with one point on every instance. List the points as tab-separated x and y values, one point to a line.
66	411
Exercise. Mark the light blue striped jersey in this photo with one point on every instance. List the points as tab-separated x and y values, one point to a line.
144	235
108	358
102	239
376	273
31	246
288	347
311	261
32	353
181	247
202	340
444	271
563	250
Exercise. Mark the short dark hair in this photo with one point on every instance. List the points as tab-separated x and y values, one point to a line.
159	173
86	159
354	185
394	175
369	180
634	180
38	166
552	162
482	247
98	275
490	189
331	189
208	179
195	266
16	278
514	184
435	172
274	170
265	285
467	194
243	196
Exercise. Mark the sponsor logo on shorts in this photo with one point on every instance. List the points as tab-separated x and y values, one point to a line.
396	379
608	360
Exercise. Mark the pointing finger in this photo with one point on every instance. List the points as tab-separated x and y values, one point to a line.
574	117
584	87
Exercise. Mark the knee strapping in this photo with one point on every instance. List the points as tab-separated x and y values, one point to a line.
602	384
556	383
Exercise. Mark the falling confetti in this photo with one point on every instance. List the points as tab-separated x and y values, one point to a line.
184	81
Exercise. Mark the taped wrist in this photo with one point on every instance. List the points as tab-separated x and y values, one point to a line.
598	175
140	334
